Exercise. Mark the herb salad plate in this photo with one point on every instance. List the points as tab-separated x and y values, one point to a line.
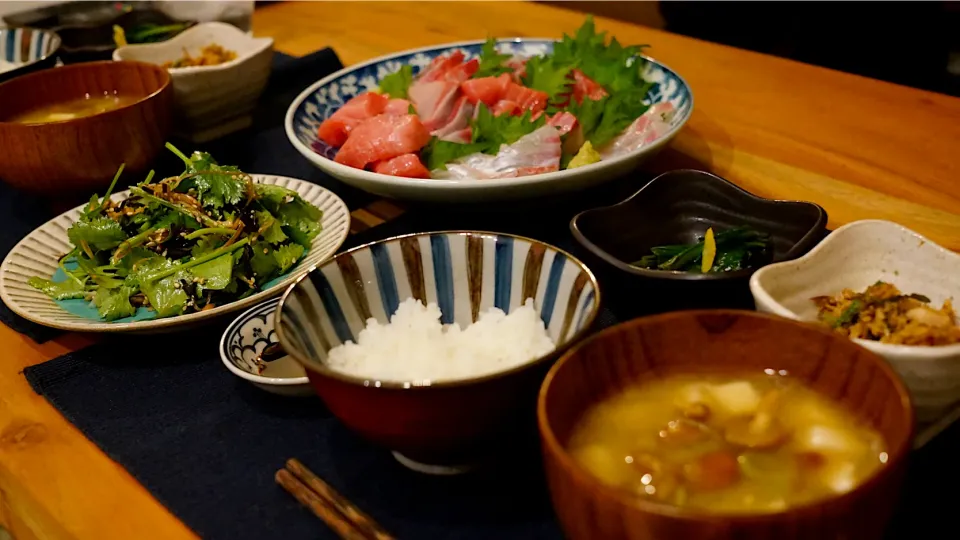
38	254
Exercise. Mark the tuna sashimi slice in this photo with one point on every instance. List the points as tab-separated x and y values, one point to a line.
652	125
506	106
462	136
397	106
406	165
439	67
585	87
527	98
534	153
567	124
486	90
564	122
383	137
335	130
458	119
434	101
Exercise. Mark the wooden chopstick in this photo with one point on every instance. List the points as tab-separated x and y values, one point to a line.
348	521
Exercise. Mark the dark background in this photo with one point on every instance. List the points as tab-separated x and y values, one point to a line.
907	43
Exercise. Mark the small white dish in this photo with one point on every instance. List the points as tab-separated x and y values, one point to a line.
211	101
245	340
856	256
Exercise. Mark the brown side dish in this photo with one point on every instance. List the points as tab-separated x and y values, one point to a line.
210	55
883	313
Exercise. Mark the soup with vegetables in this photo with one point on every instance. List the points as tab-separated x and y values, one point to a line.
73	109
748	444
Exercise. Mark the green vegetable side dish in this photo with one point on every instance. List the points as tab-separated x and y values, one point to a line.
737	248
187	243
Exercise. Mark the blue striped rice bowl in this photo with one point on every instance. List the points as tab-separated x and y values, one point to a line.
26	49
464	273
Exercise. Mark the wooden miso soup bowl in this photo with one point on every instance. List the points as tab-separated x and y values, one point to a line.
711	341
82	155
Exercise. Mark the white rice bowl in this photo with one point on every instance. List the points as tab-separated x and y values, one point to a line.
415	347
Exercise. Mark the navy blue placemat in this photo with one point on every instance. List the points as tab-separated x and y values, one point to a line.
207	444
263	148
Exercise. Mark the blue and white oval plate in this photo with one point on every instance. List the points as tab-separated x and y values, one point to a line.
323	98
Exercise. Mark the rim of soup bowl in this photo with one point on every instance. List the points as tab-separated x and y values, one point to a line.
26	79
582	476
319	368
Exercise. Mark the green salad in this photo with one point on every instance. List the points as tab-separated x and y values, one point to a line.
187	243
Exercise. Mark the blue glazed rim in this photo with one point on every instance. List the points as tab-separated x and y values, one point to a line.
318	368
42	51
297	110
257	311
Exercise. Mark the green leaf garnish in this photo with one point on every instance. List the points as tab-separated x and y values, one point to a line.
545	74
491	61
613	66
397	83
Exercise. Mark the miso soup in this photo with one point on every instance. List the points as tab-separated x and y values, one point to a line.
747	444
88	105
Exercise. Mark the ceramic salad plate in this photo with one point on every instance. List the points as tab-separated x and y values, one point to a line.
38	253
322	99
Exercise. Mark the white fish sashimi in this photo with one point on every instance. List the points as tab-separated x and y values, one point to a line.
652	125
535	153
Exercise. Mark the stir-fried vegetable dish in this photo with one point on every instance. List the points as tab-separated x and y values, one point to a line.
882	313
210	55
186	243
727	251
500	115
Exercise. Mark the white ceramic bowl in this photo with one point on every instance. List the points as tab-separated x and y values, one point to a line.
244	341
322	99
856	256
211	101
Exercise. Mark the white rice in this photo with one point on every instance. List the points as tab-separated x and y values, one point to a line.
416	348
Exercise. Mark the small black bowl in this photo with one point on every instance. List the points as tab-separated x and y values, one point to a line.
677	207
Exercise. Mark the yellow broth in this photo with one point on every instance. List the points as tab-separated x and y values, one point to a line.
73	109
746	444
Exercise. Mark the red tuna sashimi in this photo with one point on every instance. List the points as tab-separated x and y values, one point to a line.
564	122
585	87
527	98
519	66
450	68
434	101
459	119
439	66
383	137
462	136
406	165
335	130
490	90
486	90
506	106
397	106
567	124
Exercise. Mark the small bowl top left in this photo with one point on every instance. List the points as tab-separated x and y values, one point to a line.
44	158
26	49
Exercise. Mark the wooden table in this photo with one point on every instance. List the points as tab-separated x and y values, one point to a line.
860	148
